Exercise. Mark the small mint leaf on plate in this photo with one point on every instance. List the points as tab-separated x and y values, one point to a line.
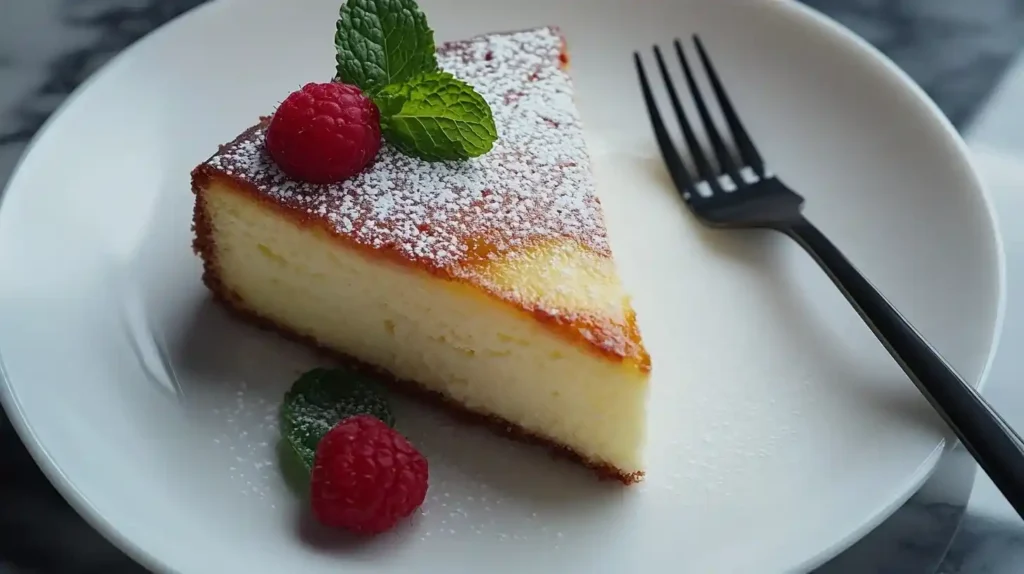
319	400
293	466
382	42
436	117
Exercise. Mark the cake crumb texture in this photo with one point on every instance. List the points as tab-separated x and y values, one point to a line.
434	338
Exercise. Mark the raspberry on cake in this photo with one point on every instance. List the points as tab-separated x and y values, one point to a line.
486	284
324	133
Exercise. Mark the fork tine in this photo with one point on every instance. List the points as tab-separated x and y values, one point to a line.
704	169
725	161
746	147
676	168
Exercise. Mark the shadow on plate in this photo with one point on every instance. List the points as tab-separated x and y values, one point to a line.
764	251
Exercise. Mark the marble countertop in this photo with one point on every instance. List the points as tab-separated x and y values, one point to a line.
965	55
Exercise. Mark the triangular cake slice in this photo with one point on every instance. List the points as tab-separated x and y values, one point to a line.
488	284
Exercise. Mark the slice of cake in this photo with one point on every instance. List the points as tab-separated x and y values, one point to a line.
487	284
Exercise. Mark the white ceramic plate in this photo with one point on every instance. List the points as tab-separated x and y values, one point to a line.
780	429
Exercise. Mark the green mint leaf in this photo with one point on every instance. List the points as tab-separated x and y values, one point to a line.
436	117
390	100
294	468
319	400
382	42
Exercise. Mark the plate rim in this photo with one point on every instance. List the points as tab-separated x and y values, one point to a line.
791	9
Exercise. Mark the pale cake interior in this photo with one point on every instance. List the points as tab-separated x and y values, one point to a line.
447	336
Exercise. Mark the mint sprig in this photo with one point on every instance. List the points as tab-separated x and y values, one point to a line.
387	49
436	117
382	42
319	400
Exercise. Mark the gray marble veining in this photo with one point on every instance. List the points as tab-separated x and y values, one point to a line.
956	49
986	546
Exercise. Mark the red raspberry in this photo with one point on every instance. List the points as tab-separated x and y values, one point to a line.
366	477
324	133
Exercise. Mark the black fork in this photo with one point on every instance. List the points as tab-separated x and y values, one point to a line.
745	194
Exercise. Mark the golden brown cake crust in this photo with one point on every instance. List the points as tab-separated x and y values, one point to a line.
456	220
203	244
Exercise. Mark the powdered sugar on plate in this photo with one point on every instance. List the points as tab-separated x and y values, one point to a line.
249	440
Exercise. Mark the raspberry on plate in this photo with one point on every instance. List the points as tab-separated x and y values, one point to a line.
366	477
324	133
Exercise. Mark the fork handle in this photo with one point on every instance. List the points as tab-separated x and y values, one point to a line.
998	449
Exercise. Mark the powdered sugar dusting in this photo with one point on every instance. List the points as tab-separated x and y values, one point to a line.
534	185
249	425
